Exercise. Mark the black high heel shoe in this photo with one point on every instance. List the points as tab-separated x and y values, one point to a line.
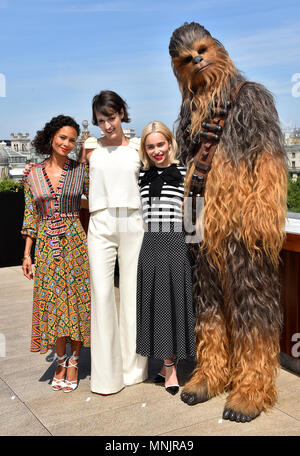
172	389
159	378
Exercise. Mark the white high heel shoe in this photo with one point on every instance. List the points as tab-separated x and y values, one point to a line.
59	383
72	384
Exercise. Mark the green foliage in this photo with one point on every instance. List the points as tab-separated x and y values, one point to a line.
10	185
293	195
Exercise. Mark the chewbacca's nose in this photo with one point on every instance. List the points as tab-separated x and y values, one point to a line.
197	59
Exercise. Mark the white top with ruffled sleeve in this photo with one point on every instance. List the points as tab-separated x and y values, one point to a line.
114	173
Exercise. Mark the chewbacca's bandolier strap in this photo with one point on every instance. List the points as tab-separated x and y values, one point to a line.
210	137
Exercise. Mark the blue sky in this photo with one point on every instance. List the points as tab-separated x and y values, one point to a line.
57	54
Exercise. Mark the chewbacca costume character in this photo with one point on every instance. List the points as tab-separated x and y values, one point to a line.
236	288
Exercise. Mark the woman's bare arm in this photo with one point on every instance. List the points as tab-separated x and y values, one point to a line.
27	263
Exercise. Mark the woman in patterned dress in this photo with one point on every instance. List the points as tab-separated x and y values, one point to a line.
61	295
165	318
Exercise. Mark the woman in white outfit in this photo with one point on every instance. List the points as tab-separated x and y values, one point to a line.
115	229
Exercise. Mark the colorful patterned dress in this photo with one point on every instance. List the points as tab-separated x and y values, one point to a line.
61	294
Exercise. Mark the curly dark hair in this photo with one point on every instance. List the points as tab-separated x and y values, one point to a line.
107	101
43	138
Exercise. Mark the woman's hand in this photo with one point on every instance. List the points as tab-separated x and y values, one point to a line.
84	155
27	268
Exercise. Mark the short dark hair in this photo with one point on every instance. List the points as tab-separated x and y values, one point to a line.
42	139
108	100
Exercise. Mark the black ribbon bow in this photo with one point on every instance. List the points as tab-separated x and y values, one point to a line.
170	175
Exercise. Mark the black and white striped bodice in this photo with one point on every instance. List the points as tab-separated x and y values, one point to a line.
167	207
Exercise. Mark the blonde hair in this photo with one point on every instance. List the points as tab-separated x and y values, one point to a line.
157	127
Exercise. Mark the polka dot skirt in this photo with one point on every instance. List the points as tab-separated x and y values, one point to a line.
165	317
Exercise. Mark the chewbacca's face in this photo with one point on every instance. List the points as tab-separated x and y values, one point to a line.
200	63
198	59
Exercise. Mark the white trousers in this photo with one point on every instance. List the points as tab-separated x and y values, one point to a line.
114	361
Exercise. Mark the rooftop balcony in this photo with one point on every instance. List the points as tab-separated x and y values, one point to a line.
29	406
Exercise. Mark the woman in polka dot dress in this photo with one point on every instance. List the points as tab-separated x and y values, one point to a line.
165	319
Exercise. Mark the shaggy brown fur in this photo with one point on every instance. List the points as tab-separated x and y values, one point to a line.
211	374
236	283
248	202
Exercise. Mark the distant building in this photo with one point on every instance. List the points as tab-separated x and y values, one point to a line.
4	163
292	136
129	132
17	151
7	142
292	147
20	143
12	162
293	153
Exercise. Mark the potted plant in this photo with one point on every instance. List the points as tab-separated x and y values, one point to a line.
12	210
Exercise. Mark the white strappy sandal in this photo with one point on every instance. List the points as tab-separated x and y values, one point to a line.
59	383
72	384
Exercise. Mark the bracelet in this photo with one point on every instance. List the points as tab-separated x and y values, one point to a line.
25	257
